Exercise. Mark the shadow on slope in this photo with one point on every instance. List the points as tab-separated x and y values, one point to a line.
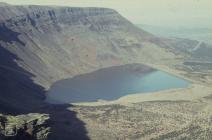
20	95
17	90
64	123
7	35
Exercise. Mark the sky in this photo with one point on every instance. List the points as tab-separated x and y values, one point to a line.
172	13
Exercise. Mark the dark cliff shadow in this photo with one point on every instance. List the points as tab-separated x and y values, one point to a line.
20	95
64	123
17	90
8	35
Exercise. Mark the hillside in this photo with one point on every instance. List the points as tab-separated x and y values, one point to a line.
198	33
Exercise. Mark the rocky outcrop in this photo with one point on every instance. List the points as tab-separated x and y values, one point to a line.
24	127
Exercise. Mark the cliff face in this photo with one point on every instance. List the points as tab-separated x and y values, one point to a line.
52	41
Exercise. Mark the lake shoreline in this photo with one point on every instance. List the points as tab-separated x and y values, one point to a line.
184	94
192	92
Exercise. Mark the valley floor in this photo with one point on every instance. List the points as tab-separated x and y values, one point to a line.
170	114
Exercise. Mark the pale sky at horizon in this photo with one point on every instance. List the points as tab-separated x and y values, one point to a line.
188	13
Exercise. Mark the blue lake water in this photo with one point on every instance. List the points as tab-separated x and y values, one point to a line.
112	83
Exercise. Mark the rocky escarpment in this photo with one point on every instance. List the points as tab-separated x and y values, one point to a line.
54	42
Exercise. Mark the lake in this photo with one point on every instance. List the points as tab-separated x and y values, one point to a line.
112	83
